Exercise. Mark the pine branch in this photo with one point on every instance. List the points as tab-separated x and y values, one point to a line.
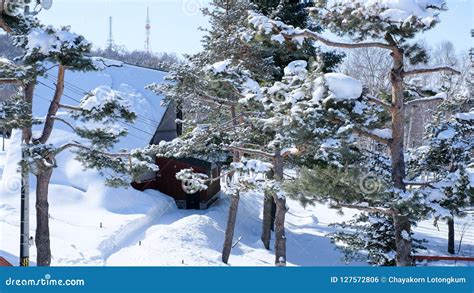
425	100
366	133
431	70
78	145
10	81
379	102
69	107
65	122
251	151
372	136
362	208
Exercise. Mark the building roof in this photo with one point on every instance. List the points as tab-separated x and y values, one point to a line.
4	263
127	79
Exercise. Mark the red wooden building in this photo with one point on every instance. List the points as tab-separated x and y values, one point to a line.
166	182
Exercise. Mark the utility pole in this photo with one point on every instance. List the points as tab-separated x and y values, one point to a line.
25	210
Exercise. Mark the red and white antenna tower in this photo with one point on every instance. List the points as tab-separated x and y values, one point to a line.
148	30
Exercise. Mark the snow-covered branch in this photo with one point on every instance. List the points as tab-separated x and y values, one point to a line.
288	32
362	208
379	102
251	151
10	80
65	122
438	97
78	145
431	70
69	107
314	36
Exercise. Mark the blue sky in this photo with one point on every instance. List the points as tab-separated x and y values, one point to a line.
175	23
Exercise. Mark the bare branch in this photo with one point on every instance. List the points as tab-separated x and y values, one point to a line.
431	70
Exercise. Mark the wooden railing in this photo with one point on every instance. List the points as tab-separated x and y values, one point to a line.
434	257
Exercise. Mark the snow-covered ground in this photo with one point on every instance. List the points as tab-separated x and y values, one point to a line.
93	225
146	228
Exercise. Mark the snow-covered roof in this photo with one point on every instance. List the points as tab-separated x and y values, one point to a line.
127	79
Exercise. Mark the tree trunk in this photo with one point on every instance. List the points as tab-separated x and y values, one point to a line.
42	217
267	224
234	204
451	236
281	209
268	215
403	240
229	232
401	222
280	237
54	106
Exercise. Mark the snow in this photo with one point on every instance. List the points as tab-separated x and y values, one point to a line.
402	11
45	43
382	133
147	229
94	225
447	134
221	66
101	96
117	78
343	87
296	68
405	235
469	116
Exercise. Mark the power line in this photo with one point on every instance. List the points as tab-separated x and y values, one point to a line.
80	91
131	134
78	101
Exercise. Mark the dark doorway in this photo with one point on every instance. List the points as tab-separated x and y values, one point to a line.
192	201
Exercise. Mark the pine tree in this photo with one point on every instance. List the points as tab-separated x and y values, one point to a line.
374	25
445	160
93	121
295	13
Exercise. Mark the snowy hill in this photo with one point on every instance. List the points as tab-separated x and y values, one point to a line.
92	224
